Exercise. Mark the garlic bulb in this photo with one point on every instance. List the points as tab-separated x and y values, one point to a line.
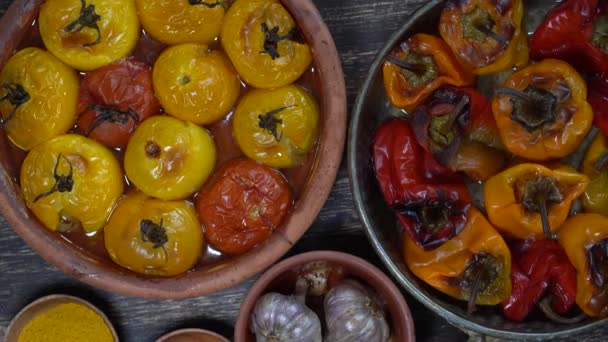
354	314
279	318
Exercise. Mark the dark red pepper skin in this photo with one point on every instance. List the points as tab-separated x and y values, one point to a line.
598	99
409	178
566	34
403	168
538	266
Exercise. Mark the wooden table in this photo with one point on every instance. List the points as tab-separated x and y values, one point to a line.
360	28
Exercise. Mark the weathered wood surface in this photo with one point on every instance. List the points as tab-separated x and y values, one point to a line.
360	28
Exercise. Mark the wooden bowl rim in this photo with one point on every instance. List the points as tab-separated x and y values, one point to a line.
77	263
384	286
64	299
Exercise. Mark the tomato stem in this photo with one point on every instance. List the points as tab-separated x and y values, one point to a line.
109	114
63	183
155	233
88	18
272	39
16	96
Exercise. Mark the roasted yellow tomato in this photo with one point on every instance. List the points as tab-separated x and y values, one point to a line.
168	158
71	180
38	97
182	21
153	236
276	127
264	43
88	34
196	84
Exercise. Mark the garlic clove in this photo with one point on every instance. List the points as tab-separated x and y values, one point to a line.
354	313
280	318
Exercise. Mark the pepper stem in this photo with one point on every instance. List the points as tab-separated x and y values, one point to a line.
537	194
533	107
545	307
418	69
471	308
494	35
601	162
544	216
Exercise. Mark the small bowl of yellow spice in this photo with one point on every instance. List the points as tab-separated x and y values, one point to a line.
59	318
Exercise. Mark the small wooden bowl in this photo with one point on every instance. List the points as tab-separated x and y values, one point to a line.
44	304
78	262
401	321
192	335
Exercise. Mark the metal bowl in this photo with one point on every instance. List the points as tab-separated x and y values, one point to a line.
371	108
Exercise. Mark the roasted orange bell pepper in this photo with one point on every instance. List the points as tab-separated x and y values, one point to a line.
595	166
486	35
474	266
529	200
457	127
585	239
542	112
418	67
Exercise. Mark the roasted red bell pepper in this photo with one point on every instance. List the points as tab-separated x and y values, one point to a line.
598	99
537	267
431	201
457	127
574	31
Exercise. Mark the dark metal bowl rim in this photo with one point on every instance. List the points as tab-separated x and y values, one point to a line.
374	239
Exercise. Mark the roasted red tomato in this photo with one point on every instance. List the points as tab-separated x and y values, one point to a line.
242	205
114	99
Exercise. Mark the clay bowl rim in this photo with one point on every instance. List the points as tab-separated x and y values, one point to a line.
72	260
167	337
354	174
241	329
61	299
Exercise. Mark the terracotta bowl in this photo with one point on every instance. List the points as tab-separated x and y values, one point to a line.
192	335
371	108
104	274
41	305
281	276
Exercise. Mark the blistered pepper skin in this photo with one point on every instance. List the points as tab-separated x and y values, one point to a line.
404	95
130	247
243	38
195	84
168	158
178	21
595	199
552	140
97	181
503	199
577	236
84	49
488	56
277	127
567	34
52	88
437	267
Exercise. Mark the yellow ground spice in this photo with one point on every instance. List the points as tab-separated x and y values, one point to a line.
67	322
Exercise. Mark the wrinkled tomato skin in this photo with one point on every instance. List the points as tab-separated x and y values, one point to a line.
123	85
242	205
